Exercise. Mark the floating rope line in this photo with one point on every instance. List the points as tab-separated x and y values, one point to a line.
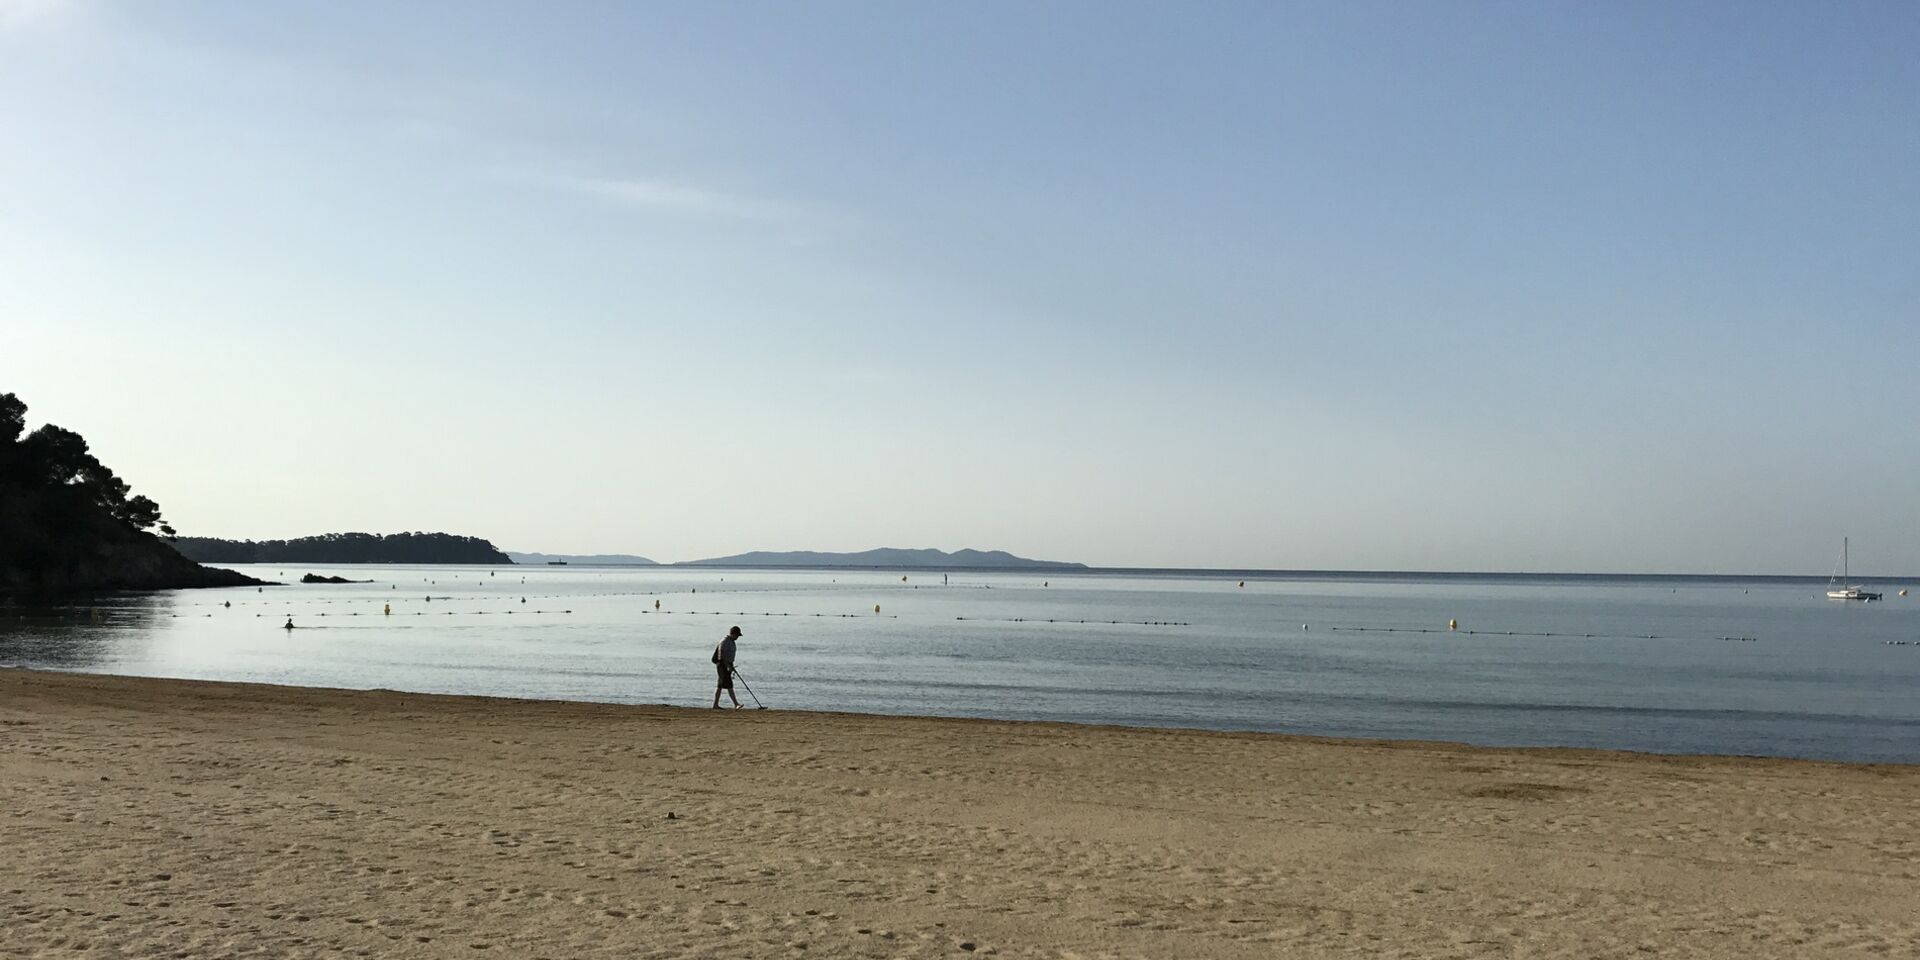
1125	623
723	613
506	594
1528	633
296	612
416	613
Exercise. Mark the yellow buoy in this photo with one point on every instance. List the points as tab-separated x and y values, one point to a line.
387	609
1453	624
876	608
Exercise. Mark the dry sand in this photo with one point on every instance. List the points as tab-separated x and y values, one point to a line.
156	818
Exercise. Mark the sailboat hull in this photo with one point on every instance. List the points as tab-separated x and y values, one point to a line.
1845	589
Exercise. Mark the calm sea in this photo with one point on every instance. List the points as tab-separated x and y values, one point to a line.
1685	665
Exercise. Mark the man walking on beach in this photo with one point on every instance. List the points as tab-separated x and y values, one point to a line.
723	659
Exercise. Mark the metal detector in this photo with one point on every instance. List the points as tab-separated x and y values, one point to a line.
743	683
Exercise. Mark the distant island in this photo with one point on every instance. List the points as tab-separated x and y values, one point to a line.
347	548
884	557
605	559
68	525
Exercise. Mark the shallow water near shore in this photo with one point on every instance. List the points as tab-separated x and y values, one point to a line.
1761	667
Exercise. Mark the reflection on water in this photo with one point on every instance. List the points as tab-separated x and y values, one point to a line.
89	637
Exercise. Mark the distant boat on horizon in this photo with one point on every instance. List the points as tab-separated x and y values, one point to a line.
1842	589
556	563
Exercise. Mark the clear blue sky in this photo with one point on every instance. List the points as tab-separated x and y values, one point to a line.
1517	286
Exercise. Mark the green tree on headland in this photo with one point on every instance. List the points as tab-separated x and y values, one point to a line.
56	456
68	524
346	548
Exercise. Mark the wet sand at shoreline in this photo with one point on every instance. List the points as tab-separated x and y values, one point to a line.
152	818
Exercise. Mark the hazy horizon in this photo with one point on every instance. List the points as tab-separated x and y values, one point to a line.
655	560
1551	287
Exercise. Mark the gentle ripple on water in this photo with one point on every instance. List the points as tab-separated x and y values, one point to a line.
1694	666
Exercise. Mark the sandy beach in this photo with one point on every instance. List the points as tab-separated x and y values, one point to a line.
162	818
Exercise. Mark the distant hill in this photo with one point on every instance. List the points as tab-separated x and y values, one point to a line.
347	548
882	557
69	526
609	559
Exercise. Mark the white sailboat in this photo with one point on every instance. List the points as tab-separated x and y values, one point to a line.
1841	588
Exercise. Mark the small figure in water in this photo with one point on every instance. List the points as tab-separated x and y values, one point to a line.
228	604
289	625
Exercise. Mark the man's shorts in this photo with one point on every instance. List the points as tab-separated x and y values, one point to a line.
726	675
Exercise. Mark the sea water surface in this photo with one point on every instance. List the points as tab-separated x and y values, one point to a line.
1763	667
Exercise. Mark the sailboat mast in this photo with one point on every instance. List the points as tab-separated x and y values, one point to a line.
1846	576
